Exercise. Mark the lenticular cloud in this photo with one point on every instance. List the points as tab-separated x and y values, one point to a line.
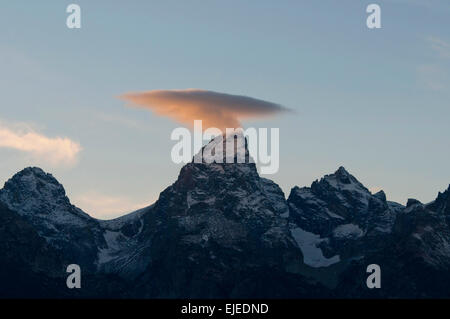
213	108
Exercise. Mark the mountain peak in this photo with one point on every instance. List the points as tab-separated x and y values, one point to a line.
442	202
342	179
32	174
30	170
342	171
444	194
343	175
380	195
412	202
32	187
222	143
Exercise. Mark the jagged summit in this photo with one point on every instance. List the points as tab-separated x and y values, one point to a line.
32	169
342	179
35	173
340	200
380	195
33	192
232	145
32	178
412	201
442	202
445	194
342	172
30	188
41	202
339	181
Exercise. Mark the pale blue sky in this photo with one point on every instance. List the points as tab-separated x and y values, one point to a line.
374	101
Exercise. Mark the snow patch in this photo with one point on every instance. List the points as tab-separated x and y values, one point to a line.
112	241
312	254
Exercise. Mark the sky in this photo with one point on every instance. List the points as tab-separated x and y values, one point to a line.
375	101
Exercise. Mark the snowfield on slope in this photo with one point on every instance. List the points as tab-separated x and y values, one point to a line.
312	254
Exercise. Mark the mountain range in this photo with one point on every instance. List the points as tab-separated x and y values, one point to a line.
222	231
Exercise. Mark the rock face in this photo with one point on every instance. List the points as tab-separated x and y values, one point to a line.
337	200
340	221
42	202
222	231
218	231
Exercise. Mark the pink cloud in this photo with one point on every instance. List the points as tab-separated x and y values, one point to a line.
213	108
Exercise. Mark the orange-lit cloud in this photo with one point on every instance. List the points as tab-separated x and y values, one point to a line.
57	150
214	109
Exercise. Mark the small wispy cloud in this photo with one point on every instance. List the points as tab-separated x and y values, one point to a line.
440	46
103	206
54	150
434	74
215	109
433	77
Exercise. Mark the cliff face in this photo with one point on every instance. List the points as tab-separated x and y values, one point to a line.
222	231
